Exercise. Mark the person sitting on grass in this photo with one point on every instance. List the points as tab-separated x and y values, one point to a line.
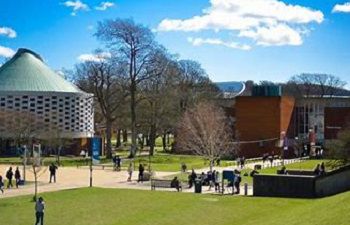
253	172
1	185
175	184
283	170
322	169
317	170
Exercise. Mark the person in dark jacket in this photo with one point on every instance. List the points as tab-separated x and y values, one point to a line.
317	170
17	177
141	171
322	169
191	178
53	169
237	181
9	176
1	184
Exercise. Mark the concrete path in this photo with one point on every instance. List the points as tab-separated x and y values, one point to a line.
72	177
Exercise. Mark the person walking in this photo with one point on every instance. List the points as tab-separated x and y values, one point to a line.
130	170
39	211
217	181
114	159
119	163
17	177
237	182
9	176
1	185
141	170
242	162
53	169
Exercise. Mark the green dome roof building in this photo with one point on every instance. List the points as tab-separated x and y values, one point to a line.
30	89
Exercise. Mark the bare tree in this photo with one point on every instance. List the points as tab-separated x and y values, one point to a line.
22	127
204	130
315	84
134	43
193	84
37	169
105	79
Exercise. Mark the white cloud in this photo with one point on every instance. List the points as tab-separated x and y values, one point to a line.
99	57
104	6
8	32
345	8
76	6
278	35
217	41
258	20
6	52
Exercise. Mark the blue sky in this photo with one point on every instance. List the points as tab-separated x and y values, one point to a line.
232	39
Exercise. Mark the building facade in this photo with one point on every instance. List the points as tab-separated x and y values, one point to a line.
34	96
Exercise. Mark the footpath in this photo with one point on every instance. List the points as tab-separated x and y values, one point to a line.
73	177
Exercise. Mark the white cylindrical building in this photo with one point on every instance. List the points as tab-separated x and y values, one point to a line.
33	95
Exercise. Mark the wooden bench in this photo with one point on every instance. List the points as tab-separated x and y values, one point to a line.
163	184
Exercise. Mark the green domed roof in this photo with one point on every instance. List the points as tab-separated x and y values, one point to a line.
26	71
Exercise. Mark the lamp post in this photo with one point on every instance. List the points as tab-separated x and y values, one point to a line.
284	145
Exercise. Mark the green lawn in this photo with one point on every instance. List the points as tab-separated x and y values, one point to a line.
130	207
65	161
172	163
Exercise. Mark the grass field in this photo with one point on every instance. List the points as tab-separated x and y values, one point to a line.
159	162
130	207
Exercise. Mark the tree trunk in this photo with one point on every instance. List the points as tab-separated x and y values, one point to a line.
168	139
109	139
125	135
58	153
118	144
35	184
164	142
133	119
152	139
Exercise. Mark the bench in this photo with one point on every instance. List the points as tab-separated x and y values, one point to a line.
163	184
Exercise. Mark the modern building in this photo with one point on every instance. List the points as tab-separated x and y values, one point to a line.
30	92
268	122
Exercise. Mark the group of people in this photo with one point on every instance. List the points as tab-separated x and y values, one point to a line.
320	169
15	176
9	176
211	178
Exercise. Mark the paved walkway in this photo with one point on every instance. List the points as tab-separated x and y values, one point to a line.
72	177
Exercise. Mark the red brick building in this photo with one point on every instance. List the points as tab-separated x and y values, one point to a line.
260	121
